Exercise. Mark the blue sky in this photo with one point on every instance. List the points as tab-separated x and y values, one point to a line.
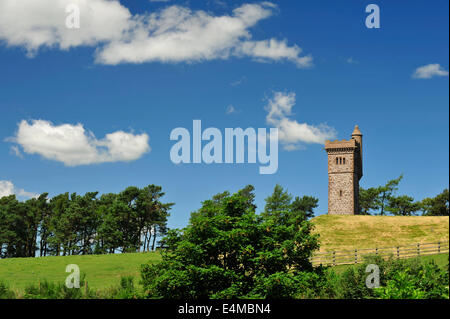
357	76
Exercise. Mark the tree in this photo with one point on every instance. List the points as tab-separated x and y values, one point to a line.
44	223
437	206
377	198
306	204
58	237
278	202
11	232
108	237
386	191
72	224
368	200
152	215
402	205
227	250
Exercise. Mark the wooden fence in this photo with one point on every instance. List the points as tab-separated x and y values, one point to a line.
355	256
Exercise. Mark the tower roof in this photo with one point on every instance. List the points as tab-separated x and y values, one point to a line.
356	131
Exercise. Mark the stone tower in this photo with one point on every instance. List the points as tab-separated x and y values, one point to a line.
344	173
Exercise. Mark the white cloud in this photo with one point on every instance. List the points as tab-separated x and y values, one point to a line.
290	132
428	71
36	24
231	110
7	188
351	60
239	81
73	145
173	34
16	151
274	50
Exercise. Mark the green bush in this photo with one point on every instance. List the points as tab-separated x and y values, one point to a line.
401	286
5	292
228	251
50	290
125	290
404	279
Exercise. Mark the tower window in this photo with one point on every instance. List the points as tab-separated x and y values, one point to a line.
343	161
340	193
337	160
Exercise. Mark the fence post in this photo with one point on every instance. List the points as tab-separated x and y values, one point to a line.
334	258
439	247
356	256
418	249
398	252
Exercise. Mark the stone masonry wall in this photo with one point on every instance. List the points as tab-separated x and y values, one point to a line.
342	179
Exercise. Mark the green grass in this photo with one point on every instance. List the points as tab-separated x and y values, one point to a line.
358	232
336	233
102	271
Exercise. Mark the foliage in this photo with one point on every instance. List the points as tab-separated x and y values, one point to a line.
437	206
79	225
368	200
49	290
382	199
5	292
404	279
228	251
386	192
402	206
376	199
125	290
401	286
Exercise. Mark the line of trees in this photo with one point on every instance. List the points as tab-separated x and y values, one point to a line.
382	200
72	224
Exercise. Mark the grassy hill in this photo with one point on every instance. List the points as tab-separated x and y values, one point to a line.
336	233
350	232
102	271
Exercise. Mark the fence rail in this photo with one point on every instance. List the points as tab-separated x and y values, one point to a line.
334	258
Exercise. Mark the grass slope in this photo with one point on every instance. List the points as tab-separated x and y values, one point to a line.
350	232
336	233
102	271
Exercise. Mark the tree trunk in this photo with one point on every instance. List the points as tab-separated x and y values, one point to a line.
154	240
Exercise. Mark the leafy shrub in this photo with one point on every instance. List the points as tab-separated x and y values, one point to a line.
5	292
125	290
228	251
401	286
50	290
404	278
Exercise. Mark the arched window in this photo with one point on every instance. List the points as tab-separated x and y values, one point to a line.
340	193
337	160
340	160
343	161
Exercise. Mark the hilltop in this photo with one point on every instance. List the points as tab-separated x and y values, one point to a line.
338	232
